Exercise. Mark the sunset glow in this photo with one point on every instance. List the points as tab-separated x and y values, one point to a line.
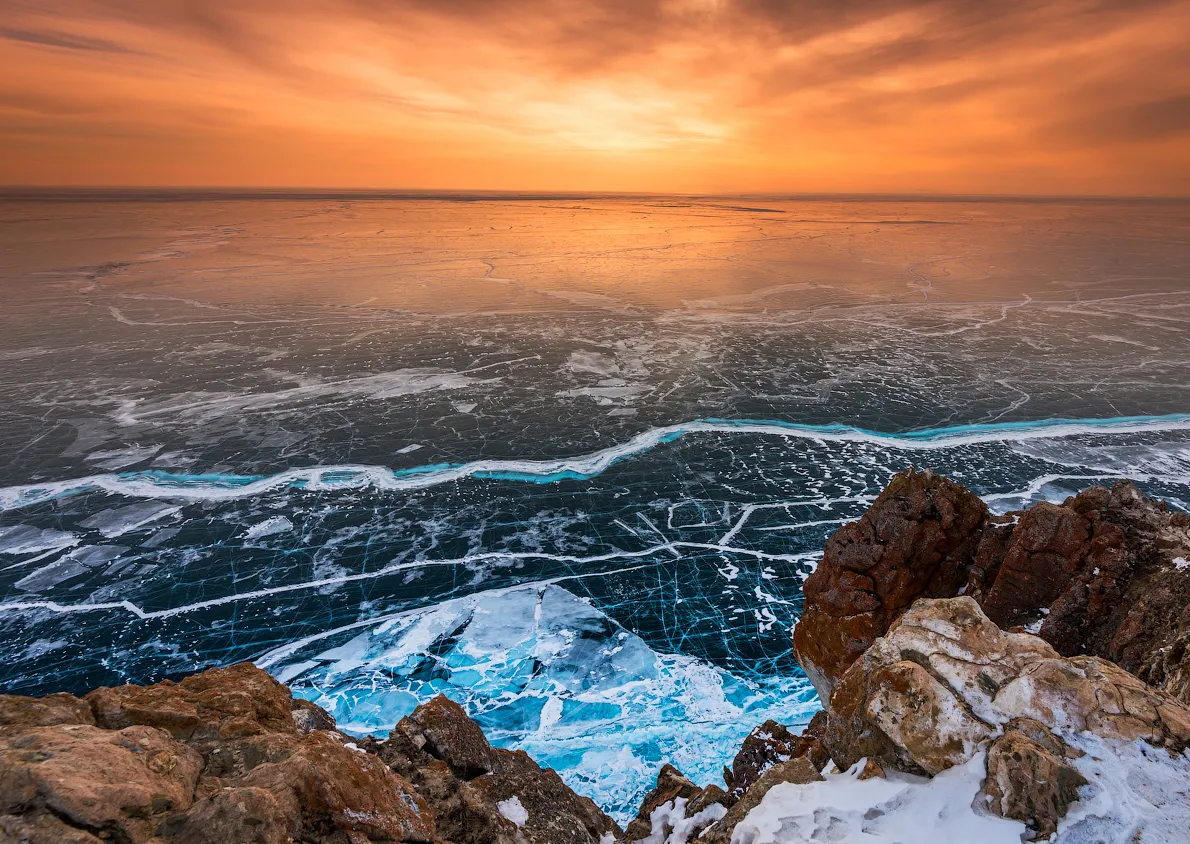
1077	96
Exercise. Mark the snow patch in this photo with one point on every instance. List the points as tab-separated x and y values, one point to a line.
672	815
513	810
898	809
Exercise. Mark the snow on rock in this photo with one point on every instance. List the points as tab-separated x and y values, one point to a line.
513	810
671	816
899	809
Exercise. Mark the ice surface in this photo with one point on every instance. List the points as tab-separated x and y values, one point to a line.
121	520
26	539
543	671
269	527
662	406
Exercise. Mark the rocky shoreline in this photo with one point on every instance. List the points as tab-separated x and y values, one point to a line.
1035	664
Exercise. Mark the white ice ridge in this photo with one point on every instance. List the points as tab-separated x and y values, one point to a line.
154	484
647	554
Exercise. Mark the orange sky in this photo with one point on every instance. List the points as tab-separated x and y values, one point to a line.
990	96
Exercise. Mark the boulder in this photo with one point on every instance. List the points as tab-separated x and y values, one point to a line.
217	704
60	708
919	538
464	781
1029	780
555	814
771	744
441	728
945	681
1096	575
671	786
112	783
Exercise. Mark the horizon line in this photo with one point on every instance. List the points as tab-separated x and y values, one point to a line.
192	192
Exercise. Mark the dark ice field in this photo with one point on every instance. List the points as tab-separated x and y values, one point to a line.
567	459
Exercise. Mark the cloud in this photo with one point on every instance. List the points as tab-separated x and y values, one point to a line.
628	94
61	41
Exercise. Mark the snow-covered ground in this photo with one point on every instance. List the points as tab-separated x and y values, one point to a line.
1137	794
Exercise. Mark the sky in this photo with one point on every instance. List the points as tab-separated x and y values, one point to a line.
689	96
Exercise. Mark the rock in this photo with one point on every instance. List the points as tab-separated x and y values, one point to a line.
228	756
770	744
309	716
1028	781
556	815
671	785
218	704
466	804
1168	668
799	771
871	770
1095	574
1092	694
442	729
322	786
118	783
919	538
61	708
945	680
1046	549
244	815
41	828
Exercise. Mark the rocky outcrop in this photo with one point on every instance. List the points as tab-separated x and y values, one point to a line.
485	795
1103	574
918	680
1029	778
946	683
918	539
797	771
228	756
772	744
676	808
946	680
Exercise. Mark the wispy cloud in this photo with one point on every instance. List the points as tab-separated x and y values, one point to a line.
1086	96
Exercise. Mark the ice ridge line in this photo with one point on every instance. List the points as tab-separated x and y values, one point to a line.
166	485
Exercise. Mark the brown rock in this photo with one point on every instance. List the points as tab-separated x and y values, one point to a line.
1028	782
556	814
671	785
326	786
41	828
441	728
1047	548
871	770
61	708
236	814
250	764
120	783
945	680
918	539
218	704
770	744
309	716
